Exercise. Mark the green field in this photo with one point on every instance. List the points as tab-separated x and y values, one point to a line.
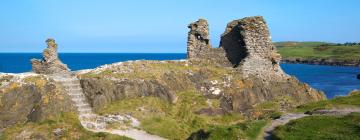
318	50
324	127
321	127
353	100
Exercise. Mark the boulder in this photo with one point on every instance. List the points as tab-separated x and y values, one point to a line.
50	64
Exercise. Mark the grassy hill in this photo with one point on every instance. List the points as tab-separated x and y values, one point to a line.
318	50
324	127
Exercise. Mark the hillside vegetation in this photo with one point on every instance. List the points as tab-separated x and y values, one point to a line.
318	50
321	127
353	100
324	127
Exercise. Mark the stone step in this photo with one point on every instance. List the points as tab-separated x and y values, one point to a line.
83	105
78	100
77	96
66	80
81	102
71	85
75	90
75	93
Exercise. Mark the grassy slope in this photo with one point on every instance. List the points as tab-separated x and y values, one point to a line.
178	121
72	130
321	127
353	100
310	50
324	127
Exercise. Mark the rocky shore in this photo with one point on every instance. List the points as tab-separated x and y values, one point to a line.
330	62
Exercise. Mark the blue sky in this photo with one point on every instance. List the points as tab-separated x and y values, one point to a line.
161	25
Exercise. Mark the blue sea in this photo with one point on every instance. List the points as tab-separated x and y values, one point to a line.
333	80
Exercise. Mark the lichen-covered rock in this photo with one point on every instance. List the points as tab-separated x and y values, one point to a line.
30	98
101	92
50	63
253	91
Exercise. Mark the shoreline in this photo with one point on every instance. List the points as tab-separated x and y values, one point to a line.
324	62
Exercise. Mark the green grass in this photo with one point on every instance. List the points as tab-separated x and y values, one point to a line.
247	130
142	69
72	129
172	121
298	44
321	127
353	100
313	50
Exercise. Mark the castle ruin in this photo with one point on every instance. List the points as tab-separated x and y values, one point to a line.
246	45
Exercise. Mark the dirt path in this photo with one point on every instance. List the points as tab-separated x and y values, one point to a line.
267	131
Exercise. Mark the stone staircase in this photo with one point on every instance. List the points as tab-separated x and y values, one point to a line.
96	123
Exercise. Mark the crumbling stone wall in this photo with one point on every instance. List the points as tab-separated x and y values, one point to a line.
245	45
254	50
50	63
198	39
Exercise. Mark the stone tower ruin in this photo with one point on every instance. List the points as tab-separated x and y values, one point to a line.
246	45
198	39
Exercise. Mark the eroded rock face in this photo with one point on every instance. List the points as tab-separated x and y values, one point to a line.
33	98
198	39
50	63
101	92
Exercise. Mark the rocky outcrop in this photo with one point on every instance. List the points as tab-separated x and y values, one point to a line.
30	98
315	61
235	93
50	63
101	92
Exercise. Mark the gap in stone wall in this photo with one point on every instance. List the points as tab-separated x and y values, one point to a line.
234	46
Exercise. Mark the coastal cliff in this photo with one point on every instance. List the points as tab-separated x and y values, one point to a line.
242	73
241	78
